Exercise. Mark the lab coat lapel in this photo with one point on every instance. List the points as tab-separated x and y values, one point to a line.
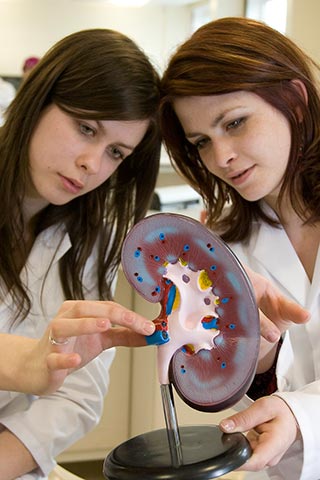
48	248
314	290
274	250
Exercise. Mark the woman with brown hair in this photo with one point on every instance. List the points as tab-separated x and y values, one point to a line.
79	157
240	116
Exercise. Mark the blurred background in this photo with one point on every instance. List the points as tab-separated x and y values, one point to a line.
30	27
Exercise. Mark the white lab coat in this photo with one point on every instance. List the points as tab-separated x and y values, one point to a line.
47	425
271	254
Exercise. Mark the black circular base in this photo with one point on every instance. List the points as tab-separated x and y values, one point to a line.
207	453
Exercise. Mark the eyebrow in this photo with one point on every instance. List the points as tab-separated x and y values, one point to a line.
119	144
215	121
128	147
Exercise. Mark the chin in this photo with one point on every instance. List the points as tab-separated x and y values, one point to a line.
252	197
60	202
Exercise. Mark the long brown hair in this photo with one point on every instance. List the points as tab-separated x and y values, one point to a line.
97	74
233	54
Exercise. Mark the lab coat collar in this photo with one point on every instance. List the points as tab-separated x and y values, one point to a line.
274	250
314	290
48	248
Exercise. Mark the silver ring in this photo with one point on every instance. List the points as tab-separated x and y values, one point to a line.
53	341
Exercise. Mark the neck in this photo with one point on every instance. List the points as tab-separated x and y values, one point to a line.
31	207
284	210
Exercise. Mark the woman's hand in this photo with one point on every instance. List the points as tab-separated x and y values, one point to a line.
121	327
80	331
271	427
277	313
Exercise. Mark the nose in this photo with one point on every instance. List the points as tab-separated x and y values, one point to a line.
222	152
90	161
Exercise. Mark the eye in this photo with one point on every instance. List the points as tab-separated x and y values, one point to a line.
201	143
116	153
86	129
235	124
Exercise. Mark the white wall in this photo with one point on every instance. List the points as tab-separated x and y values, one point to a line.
303	25
228	8
30	27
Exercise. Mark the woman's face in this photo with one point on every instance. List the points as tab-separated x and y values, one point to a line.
69	156
241	139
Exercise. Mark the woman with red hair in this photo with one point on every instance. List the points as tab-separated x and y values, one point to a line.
240	117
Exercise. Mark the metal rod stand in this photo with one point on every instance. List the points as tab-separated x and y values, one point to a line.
172	425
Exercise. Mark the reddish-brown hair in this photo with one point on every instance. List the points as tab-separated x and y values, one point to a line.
233	54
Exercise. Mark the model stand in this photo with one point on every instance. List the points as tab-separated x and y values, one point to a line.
208	338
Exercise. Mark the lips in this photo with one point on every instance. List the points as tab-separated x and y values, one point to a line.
70	184
241	176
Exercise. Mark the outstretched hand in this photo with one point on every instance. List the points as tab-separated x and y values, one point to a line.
277	312
271	428
81	331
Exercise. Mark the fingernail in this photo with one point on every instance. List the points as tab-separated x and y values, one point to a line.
101	323
227	425
148	327
273	336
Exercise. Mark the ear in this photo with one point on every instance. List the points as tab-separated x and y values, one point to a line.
302	92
